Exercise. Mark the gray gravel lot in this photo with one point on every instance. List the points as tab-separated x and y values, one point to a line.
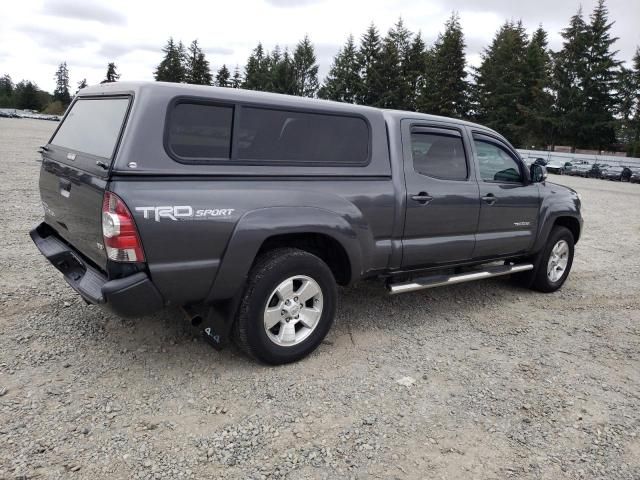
504	382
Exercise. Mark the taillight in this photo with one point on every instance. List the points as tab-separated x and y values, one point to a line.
119	231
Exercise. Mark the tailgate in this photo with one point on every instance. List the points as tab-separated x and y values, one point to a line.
75	171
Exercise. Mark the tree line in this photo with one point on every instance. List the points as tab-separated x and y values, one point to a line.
26	95
579	96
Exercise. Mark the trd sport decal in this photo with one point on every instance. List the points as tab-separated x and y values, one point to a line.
183	212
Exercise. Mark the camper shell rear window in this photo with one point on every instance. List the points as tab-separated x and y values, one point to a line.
93	126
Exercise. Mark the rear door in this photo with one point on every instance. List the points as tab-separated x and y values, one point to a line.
442	196
510	204
75	171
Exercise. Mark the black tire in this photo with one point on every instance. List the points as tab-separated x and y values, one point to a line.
269	271
541	280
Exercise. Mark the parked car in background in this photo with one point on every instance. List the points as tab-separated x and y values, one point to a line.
616	172
8	113
568	168
580	170
557	166
597	169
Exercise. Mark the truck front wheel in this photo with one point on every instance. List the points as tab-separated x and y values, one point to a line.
555	261
287	308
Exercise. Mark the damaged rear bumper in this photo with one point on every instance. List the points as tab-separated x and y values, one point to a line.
130	296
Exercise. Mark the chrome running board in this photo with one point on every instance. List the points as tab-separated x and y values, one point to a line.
441	280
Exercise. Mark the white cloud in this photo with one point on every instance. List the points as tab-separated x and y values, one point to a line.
85	10
36	36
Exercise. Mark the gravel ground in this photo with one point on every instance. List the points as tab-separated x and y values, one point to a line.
483	380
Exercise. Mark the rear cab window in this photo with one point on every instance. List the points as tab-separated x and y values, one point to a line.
439	154
206	132
90	132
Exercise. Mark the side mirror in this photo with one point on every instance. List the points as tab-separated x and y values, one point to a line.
538	173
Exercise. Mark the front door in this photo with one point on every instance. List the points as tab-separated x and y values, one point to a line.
442	196
510	203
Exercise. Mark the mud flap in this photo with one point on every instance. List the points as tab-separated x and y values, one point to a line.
216	330
217	323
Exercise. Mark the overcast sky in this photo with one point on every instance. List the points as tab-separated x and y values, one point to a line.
35	36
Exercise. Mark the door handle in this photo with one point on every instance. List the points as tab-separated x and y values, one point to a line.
65	187
422	198
490	198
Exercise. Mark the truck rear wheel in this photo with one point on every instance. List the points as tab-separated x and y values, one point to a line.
287	308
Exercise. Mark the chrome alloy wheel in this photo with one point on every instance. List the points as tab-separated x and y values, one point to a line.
558	261
293	311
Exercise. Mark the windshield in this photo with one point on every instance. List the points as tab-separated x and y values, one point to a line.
93	126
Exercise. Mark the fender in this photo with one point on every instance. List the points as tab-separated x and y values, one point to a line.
255	226
551	209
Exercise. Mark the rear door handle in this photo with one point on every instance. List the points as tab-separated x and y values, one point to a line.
65	187
422	197
490	198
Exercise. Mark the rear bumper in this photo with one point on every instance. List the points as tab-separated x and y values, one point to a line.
130	296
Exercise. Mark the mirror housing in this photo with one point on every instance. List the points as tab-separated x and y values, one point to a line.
538	173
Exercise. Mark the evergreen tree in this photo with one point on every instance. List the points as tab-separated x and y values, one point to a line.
172	67
570	69
256	72
393	87
416	71
626	98
628	89
6	85
305	69
369	86
274	58
112	74
6	92
537	101
236	81
500	82
272	61
282	73
222	77
197	70
343	82
446	87
27	97
599	82
61	93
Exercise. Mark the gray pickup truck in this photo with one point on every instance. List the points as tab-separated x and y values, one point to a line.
246	209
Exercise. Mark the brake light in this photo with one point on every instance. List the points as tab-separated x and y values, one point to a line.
119	231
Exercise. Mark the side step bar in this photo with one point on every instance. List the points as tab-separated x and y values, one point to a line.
441	280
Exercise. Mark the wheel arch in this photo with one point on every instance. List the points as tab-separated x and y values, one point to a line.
571	223
321	232
558	210
322	245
